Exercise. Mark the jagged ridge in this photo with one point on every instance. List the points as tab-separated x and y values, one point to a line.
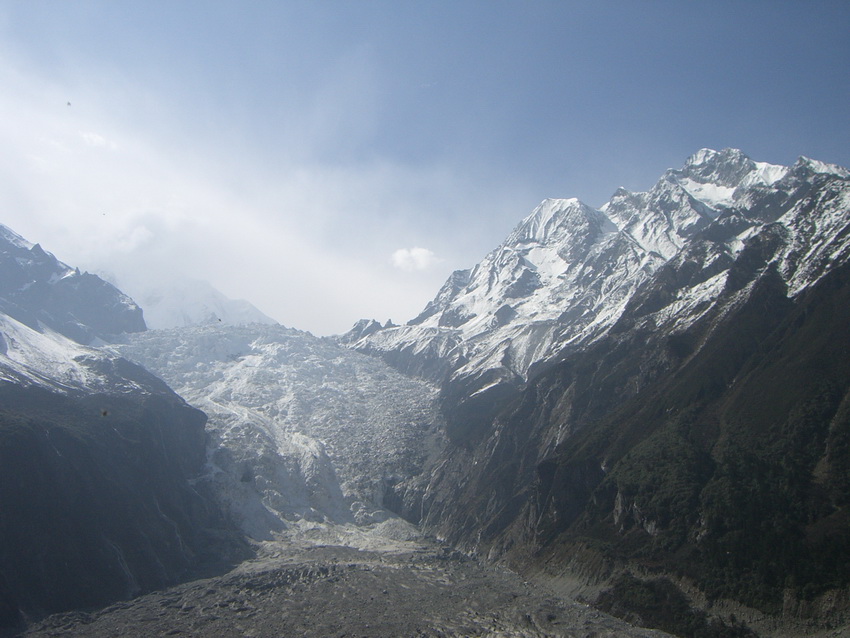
641	337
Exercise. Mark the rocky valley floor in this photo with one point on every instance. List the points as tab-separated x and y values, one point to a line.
347	582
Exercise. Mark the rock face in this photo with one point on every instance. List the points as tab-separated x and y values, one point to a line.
664	379
97	499
36	288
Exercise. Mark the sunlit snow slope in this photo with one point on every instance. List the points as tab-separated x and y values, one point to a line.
567	274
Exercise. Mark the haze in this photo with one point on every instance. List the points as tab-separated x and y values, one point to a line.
330	161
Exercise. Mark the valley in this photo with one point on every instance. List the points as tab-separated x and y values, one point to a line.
376	585
644	407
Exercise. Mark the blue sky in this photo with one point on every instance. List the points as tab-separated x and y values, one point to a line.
335	160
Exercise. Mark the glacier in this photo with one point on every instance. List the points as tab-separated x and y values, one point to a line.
303	432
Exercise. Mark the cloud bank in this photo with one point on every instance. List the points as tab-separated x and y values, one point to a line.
302	155
303	239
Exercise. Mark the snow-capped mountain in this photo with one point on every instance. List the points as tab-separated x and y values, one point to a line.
50	312
595	391
39	290
660	383
47	359
191	302
303	431
566	274
299	434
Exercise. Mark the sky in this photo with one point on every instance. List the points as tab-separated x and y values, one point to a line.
330	161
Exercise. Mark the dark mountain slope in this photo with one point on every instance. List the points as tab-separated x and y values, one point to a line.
35	287
703	436
100	461
96	499
729	464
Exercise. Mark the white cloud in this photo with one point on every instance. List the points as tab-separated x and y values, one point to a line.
97	140
305	240
413	259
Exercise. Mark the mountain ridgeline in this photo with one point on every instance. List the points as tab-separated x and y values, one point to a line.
36	288
660	386
645	405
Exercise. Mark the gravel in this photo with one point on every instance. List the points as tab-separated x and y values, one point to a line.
363	587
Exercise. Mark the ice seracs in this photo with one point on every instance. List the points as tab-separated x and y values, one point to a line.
303	432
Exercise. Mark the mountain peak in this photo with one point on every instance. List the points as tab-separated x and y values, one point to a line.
361	328
39	290
815	166
13	238
711	156
724	168
554	215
